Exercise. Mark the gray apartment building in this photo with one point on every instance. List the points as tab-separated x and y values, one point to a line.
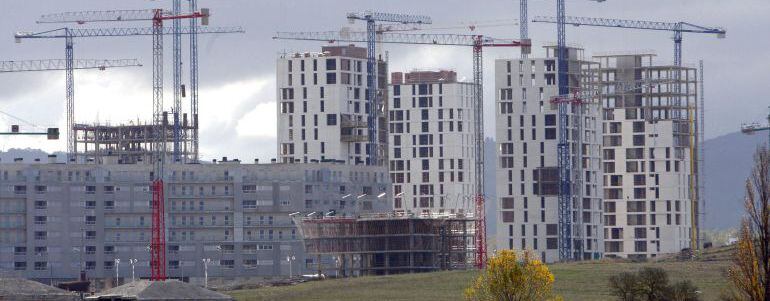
56	219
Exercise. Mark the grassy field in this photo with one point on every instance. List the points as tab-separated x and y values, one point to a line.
574	281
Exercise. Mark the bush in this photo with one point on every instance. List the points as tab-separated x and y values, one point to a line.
651	284
512	277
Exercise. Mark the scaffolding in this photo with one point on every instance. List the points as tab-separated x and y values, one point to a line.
128	143
384	244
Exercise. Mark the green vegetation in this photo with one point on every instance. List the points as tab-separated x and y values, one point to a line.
574	281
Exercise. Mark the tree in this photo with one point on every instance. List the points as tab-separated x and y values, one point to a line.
651	284
683	291
751	261
511	277
626	286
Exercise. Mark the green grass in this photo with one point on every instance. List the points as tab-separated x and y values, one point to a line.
574	281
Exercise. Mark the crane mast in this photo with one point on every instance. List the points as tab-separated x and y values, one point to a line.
371	71
194	81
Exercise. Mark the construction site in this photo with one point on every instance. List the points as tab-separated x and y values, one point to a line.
374	172
385	244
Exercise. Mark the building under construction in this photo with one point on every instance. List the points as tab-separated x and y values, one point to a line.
131	143
383	244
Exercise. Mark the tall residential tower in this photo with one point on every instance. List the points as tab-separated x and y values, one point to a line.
431	141
647	147
322	107
527	126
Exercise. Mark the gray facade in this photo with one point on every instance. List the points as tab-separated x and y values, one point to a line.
55	218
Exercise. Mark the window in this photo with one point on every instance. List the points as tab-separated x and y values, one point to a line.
331	78
550	133
41	204
331	64
331	119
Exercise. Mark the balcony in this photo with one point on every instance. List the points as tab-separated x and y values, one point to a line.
348	121
354	138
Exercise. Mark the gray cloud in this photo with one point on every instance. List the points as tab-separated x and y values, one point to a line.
736	68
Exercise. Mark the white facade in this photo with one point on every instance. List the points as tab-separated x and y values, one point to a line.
322	107
431	139
527	171
646	155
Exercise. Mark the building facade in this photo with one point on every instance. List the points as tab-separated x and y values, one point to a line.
56	219
647	147
323	107
527	125
431	140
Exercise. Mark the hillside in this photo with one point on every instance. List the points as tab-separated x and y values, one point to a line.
728	161
574	281
28	154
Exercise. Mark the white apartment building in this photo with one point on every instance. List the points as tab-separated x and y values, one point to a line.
323	107
527	173
431	141
646	156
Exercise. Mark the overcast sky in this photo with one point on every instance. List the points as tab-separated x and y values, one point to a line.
237	98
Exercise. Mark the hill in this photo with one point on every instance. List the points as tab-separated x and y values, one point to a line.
28	154
574	281
728	162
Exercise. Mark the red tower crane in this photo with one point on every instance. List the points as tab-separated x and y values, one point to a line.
157	16
477	42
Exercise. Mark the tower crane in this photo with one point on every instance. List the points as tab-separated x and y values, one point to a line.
158	244
69	34
370	18
477	42
193	6
678	28
563	151
157	16
57	64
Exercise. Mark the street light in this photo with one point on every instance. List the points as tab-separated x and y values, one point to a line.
337	264
117	271
132	262
290	259
206	262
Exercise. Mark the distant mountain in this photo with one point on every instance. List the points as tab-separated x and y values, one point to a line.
728	162
29	155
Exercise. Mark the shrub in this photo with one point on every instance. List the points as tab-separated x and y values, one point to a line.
509	276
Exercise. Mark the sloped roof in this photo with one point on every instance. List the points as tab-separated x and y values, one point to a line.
23	289
169	290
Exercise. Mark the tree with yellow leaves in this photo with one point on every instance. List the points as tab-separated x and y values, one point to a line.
750	272
512	277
